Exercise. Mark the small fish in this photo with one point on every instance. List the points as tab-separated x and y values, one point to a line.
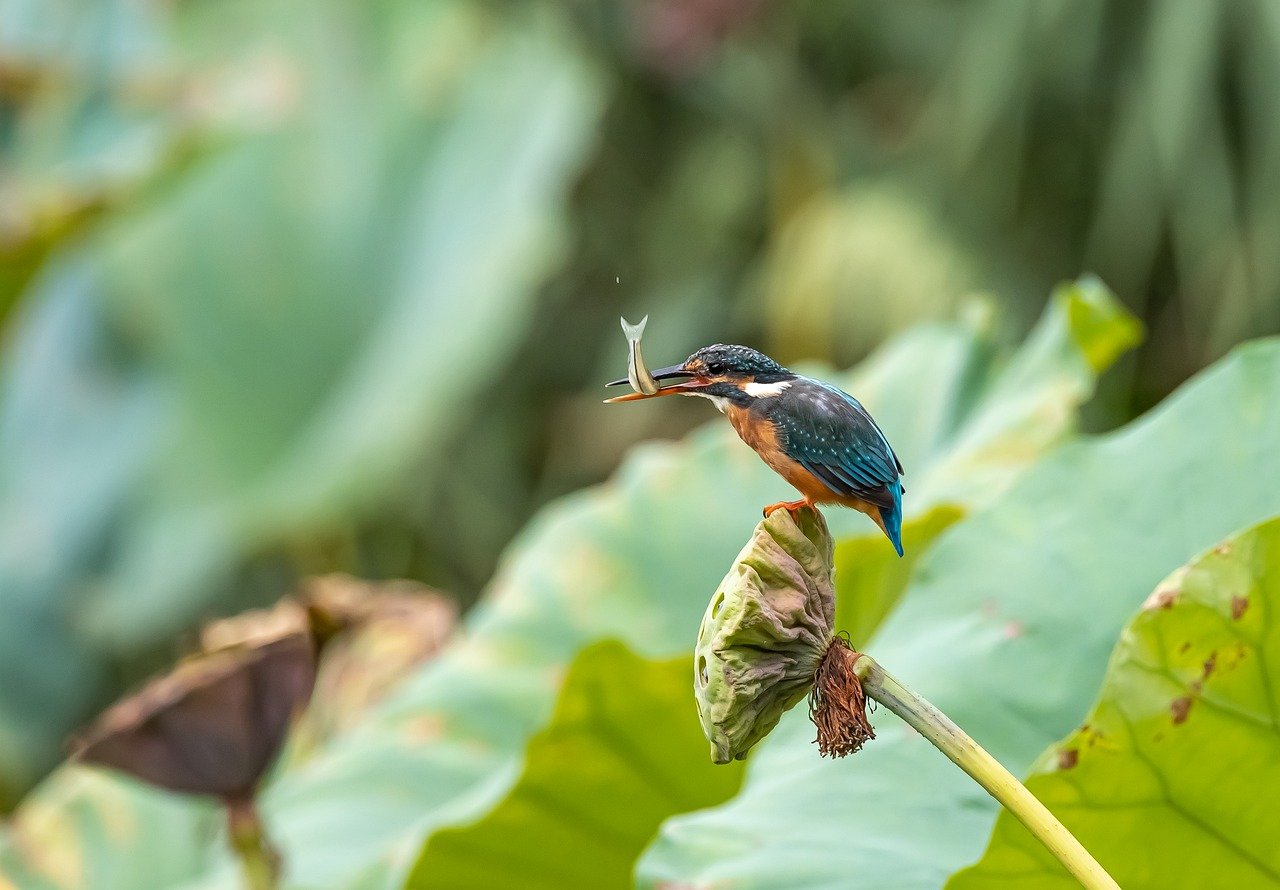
637	374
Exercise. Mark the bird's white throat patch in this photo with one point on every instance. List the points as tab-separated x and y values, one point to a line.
720	402
764	390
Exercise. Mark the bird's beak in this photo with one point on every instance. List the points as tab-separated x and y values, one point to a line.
662	374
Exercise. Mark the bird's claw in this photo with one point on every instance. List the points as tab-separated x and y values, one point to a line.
790	506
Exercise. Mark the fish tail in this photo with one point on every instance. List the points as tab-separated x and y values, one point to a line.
634	331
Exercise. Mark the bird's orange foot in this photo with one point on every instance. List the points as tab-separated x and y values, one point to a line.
790	506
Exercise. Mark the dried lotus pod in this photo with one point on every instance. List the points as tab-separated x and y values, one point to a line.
215	723
256	626
337	603
765	632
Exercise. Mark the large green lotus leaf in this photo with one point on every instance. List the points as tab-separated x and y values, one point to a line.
1026	409
633	560
622	731
1022	414
1012	420
1007	629
1172	778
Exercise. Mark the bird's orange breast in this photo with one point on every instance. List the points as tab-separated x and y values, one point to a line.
762	436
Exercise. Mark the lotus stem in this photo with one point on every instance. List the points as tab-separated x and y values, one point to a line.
258	859
967	754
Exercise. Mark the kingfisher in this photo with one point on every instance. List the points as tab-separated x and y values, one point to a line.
816	436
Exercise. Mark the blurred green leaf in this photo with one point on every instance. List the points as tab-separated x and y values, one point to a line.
69	836
1006	628
1032	403
65	476
622	751
1170	779
87	116
625	562
264	348
362	280
1095	325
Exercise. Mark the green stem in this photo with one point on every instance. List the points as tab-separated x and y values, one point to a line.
258	859
951	740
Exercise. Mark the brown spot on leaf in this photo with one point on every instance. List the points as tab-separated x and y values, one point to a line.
1181	707
1164	598
1239	605
1222	549
1068	757
1089	735
1184	647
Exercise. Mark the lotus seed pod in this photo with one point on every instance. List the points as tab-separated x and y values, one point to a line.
765	632
214	724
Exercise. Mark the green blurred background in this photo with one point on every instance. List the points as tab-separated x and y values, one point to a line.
290	287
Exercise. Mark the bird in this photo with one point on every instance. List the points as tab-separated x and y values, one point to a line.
814	435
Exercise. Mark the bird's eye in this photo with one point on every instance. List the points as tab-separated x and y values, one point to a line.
715	369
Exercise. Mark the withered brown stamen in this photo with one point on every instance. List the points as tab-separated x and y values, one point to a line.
837	703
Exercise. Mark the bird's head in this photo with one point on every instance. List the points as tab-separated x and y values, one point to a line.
722	373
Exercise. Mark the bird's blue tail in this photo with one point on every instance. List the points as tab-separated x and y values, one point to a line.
891	518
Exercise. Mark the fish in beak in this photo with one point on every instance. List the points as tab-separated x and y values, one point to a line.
645	384
674	372
637	372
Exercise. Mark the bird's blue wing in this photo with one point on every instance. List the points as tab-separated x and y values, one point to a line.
831	435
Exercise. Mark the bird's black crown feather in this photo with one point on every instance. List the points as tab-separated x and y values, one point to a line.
740	360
